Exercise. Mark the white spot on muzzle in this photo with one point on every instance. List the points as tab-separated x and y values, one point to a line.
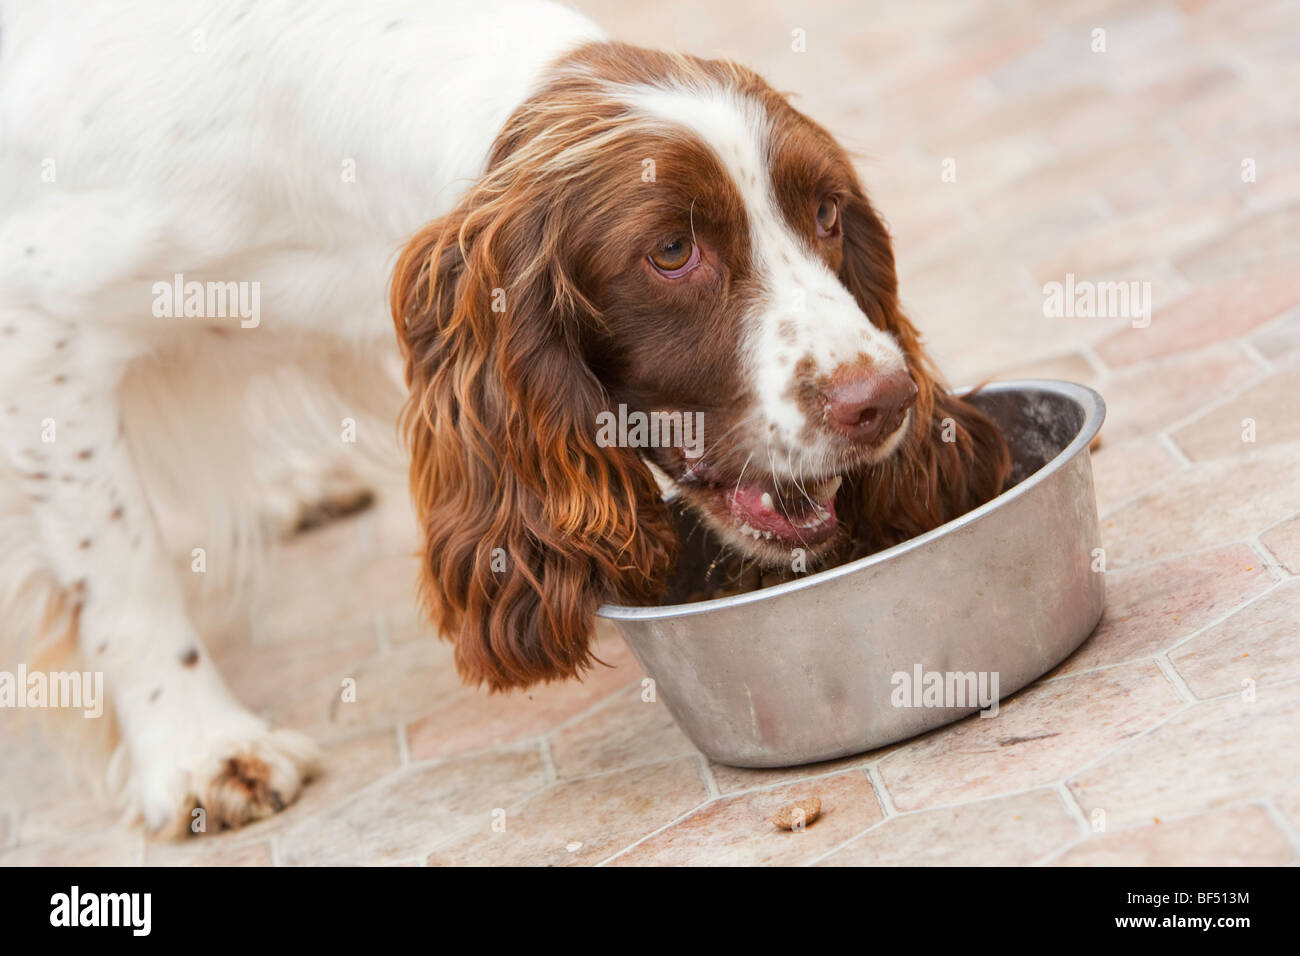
800	294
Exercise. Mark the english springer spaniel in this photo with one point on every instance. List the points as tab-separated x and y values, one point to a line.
202	208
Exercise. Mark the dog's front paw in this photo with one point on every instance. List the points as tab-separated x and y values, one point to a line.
223	783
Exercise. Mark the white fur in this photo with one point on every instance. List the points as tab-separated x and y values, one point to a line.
296	145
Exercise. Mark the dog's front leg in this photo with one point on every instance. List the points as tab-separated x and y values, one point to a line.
186	742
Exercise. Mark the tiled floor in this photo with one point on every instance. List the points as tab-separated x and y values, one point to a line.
1170	737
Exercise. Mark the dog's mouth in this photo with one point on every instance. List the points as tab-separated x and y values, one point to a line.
784	514
761	515
757	512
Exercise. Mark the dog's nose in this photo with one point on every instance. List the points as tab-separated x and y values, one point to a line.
866	406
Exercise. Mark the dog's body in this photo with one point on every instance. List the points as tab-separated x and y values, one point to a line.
289	144
297	146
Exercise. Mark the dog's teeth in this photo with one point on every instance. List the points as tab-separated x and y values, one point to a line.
767	502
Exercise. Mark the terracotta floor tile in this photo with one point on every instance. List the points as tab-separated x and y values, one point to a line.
1005	831
107	848
257	674
1098	168
1038	737
1260	643
31	773
70	812
738	831
412	810
1202	507
348	766
627	732
1071	367
1264	242
390	687
1288	805
1215	753
1123	165
1121	247
733	779
470	719
290	608
203	852
1148	609
1283	542
1121	470
1141	399
1236	836
1280	342
582	821
1214	312
1267	414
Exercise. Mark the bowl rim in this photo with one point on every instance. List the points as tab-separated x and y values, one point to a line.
1094	408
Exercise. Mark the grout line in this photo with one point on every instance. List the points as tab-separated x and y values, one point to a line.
1120	745
548	762
1059	852
898	815
1126	742
403	746
1236	694
671	823
1274	566
606	701
469	827
887	808
853	839
744	792
1282	823
1219	620
759	788
1282	318
1166	441
1278	523
274	842
1155	562
1103	516
1072	807
1184	463
1090	356
1180	686
1214	622
1167	820
1252	353
382	636
1216	403
710	781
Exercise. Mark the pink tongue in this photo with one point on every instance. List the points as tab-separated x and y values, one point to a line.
749	510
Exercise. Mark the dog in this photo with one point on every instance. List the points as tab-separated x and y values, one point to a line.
206	207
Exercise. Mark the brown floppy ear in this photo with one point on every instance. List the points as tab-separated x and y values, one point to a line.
529	524
953	458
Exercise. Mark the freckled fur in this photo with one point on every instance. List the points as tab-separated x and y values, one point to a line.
533	188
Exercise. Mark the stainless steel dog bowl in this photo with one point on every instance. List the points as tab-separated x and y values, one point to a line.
807	670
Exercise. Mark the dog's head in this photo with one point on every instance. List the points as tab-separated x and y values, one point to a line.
668	284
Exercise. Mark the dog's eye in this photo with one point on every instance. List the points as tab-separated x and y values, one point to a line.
675	259
828	217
